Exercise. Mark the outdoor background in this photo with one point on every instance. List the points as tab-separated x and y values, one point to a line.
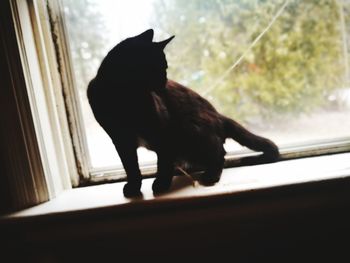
291	84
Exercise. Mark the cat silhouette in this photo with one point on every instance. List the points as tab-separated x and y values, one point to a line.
137	105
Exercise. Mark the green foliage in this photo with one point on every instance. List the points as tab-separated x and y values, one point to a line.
292	69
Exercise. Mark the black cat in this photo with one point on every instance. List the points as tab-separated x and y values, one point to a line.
137	105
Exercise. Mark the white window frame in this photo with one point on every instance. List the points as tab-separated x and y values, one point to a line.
46	101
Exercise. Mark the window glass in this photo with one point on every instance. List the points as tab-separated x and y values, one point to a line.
281	68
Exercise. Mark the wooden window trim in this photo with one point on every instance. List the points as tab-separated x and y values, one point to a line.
21	161
37	160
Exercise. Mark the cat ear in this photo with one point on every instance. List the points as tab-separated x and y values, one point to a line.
146	36
165	42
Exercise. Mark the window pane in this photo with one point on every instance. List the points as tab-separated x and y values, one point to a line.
280	69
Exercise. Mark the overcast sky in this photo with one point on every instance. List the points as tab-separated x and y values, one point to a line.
125	18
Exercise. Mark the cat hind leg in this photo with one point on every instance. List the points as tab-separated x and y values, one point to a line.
211	175
214	163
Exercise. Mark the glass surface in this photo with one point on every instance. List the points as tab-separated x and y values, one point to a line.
281	68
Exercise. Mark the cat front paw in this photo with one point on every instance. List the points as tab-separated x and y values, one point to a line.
160	186
132	190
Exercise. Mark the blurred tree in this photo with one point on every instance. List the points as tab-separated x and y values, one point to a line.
87	38
292	69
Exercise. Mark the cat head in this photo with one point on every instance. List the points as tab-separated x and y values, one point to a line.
143	61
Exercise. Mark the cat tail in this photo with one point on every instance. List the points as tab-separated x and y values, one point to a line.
254	142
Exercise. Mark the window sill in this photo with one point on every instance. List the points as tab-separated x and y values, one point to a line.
291	207
234	183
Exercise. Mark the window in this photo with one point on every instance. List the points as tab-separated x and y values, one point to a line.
48	137
281	68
